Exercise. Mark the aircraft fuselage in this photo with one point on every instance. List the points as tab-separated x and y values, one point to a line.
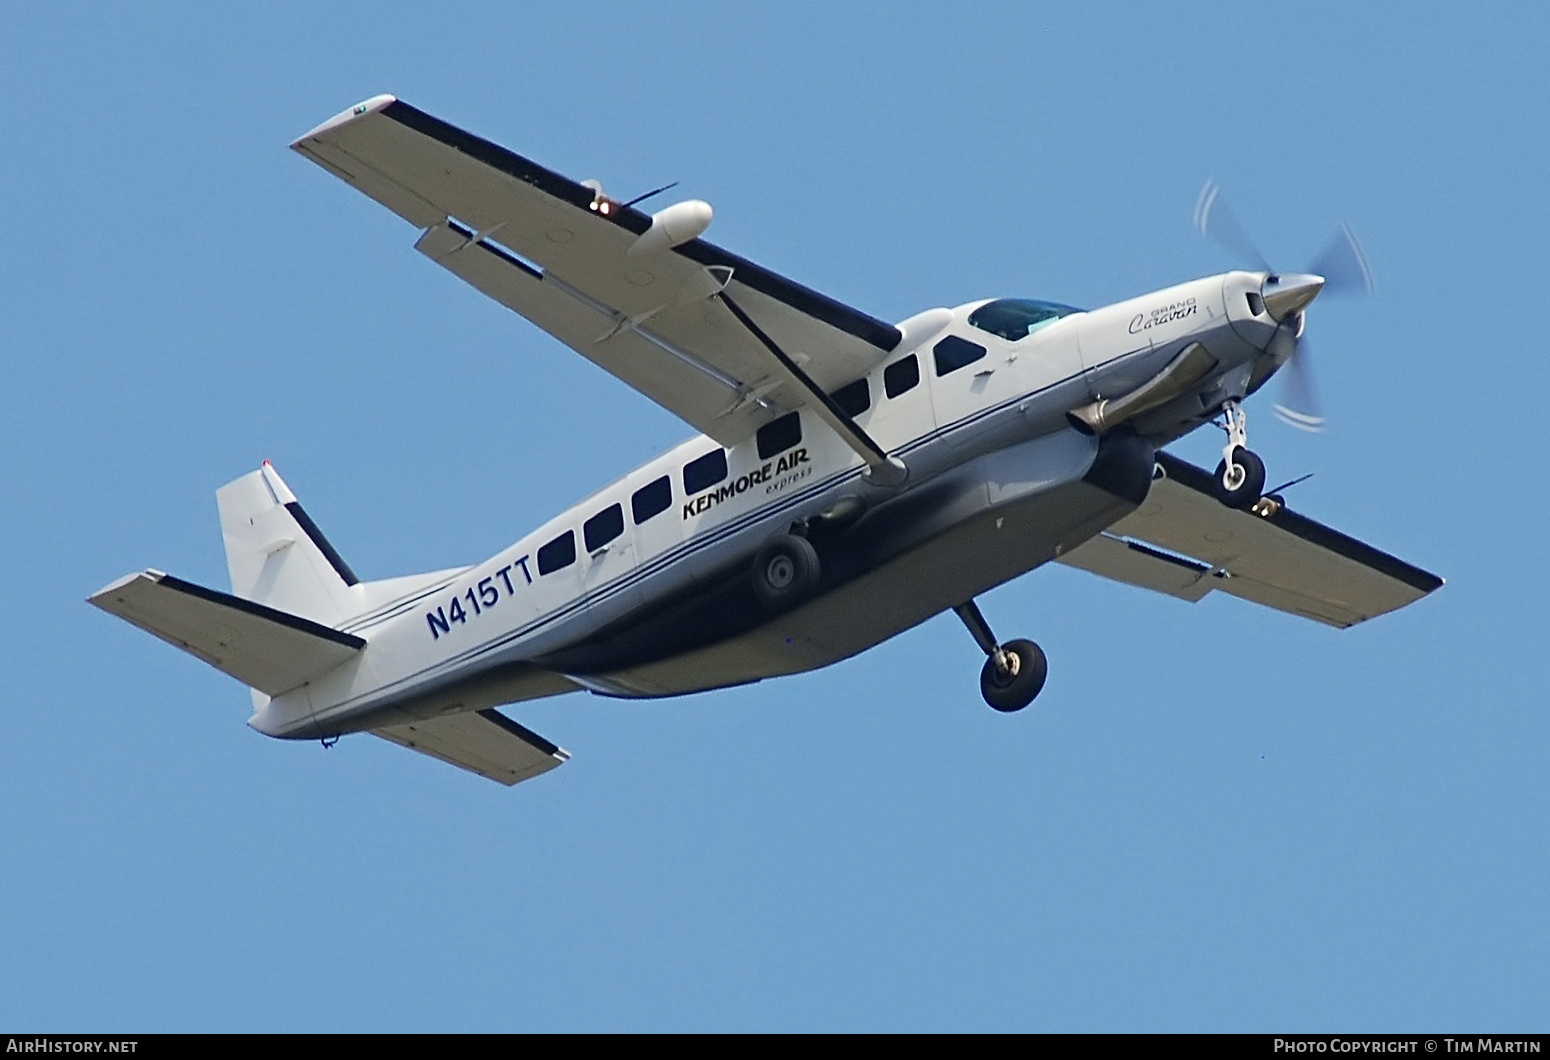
642	589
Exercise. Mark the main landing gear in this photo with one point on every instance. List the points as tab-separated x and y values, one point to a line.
1240	477
1014	672
785	572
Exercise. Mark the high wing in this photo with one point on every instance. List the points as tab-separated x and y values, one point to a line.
558	253
1279	558
485	742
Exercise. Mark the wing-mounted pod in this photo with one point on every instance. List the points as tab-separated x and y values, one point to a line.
673	226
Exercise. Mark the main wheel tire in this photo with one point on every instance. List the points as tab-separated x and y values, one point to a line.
1015	688
1242	486
785	571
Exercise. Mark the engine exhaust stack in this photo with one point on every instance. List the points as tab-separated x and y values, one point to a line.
1192	365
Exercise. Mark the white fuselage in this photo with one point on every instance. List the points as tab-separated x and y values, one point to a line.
514	627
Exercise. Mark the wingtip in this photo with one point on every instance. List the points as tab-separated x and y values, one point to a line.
101	596
360	110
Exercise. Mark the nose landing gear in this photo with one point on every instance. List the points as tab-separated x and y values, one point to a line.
1240	477
1014	672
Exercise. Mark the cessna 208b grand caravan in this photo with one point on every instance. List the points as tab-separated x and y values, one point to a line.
853	478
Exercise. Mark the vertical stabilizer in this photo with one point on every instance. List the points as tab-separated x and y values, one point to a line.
277	555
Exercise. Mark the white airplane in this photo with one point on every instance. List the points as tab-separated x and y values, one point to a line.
853	478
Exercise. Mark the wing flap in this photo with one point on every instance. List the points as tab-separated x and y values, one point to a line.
485	742
708	399
1145	568
272	651
1278	559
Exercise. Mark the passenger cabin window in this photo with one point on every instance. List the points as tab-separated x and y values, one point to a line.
603	527
1017	318
953	353
779	435
559	553
705	472
854	398
901	376
651	499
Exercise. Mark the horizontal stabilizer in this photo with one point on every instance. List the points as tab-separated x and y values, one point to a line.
1273	557
484	742
265	649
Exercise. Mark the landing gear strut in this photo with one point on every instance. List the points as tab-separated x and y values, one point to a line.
1240	477
1014	672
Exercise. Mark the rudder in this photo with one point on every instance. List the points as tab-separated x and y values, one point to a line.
277	555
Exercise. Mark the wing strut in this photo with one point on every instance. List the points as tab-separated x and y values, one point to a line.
882	469
622	322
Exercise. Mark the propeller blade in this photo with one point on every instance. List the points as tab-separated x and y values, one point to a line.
1216	220
1301	409
1344	265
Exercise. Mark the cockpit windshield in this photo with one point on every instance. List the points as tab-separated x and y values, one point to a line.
1017	318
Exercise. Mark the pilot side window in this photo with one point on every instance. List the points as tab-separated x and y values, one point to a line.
705	472
853	398
603	527
651	499
953	353
557	554
901	376
779	435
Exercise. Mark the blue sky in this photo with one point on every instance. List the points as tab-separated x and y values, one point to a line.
1215	818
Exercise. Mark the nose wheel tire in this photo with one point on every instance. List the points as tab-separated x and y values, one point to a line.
1013	675
1240	482
785	571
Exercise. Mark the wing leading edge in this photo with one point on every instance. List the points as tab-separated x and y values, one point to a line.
1280	559
531	239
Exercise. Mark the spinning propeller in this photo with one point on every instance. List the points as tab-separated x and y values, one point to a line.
1340	269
